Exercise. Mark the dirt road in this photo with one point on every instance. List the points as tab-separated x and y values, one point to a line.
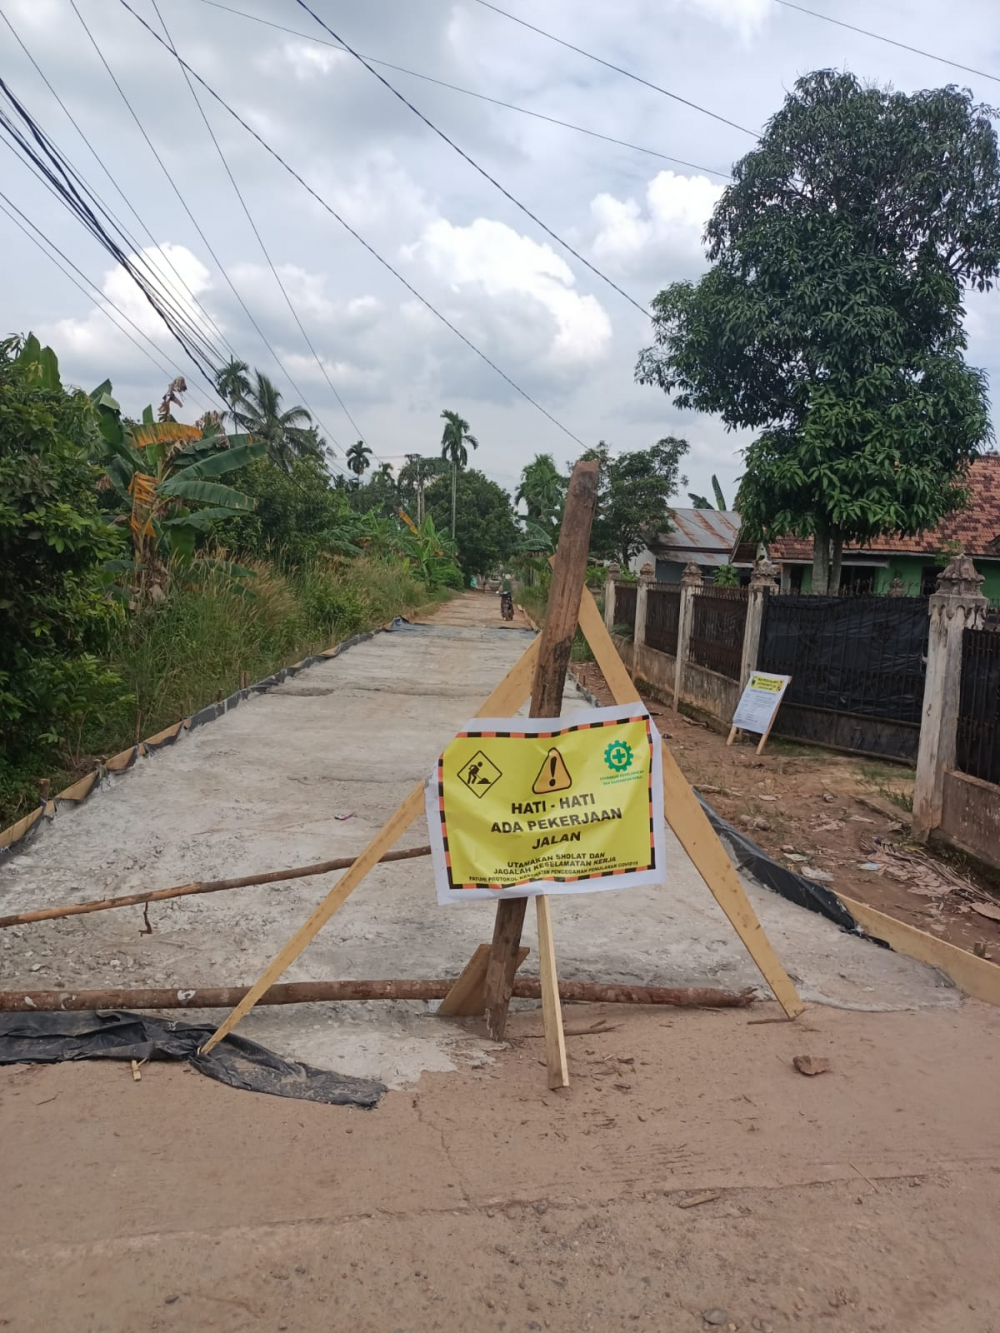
862	1200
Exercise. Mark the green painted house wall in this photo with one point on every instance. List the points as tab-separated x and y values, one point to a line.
910	569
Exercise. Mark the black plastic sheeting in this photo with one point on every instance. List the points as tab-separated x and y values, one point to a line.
114	1034
796	888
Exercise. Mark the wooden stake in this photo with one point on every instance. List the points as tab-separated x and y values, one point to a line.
555	643
691	827
467	997
505	700
555	1038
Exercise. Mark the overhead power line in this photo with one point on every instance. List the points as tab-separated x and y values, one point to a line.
194	221
469	92
356	234
40	240
170	293
474	164
880	37
27	141
255	230
618	69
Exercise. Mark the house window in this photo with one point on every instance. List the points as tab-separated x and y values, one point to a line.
858	578
928	579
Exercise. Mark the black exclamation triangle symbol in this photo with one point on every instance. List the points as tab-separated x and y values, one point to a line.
552	771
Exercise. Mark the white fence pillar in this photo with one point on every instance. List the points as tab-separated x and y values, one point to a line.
614	572
641	596
691	585
957	605
763	582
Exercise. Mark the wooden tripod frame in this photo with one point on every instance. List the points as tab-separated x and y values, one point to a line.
683	813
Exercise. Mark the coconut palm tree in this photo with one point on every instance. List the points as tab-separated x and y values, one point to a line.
232	382
454	438
288	435
357	458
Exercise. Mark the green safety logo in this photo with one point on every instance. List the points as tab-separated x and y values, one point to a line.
618	756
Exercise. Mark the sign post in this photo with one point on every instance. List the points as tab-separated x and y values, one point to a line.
758	706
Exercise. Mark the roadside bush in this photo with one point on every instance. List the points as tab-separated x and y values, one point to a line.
55	619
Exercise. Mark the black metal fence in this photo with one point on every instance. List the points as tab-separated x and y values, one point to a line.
625	595
663	611
979	705
857	666
717	624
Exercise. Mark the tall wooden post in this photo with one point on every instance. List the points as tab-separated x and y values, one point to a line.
569	572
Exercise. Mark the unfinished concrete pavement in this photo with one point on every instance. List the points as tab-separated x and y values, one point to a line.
262	787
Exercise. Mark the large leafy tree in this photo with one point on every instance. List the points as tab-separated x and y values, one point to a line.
287	434
633	497
54	540
455	444
486	531
831	319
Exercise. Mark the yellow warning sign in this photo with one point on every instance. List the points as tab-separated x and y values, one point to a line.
553	775
558	806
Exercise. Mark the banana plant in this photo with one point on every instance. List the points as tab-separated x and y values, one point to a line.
431	554
164	475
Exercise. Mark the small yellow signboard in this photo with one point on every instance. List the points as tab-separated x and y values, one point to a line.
520	806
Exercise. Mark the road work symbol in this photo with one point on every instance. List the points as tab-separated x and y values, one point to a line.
480	774
553	775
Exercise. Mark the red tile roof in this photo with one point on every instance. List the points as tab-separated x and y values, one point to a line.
976	527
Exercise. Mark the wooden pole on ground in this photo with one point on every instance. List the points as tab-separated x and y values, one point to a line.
555	644
198	886
312	992
505	700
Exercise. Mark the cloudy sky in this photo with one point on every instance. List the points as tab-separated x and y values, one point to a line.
565	337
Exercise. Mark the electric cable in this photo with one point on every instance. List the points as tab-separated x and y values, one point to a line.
353	232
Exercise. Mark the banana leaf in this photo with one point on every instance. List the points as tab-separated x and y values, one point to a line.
200	518
217	464
206	493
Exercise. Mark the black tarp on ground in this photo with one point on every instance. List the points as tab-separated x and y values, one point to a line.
115	1034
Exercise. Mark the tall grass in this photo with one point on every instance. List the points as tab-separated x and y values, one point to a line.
177	655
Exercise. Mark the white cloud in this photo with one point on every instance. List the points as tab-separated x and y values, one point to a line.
309	61
673	219
499	262
177	274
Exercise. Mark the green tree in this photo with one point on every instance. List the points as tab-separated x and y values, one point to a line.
232	383
831	319
357	458
54	540
296	516
415	476
486	530
702	502
633	497
454	439
286	434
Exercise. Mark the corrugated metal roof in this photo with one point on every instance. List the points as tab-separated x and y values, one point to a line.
699	530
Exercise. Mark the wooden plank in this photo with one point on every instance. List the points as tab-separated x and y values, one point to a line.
467	997
732	735
555	643
505	700
691	827
977	977
555	1038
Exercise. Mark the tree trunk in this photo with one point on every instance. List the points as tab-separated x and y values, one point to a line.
836	559
821	558
454	492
